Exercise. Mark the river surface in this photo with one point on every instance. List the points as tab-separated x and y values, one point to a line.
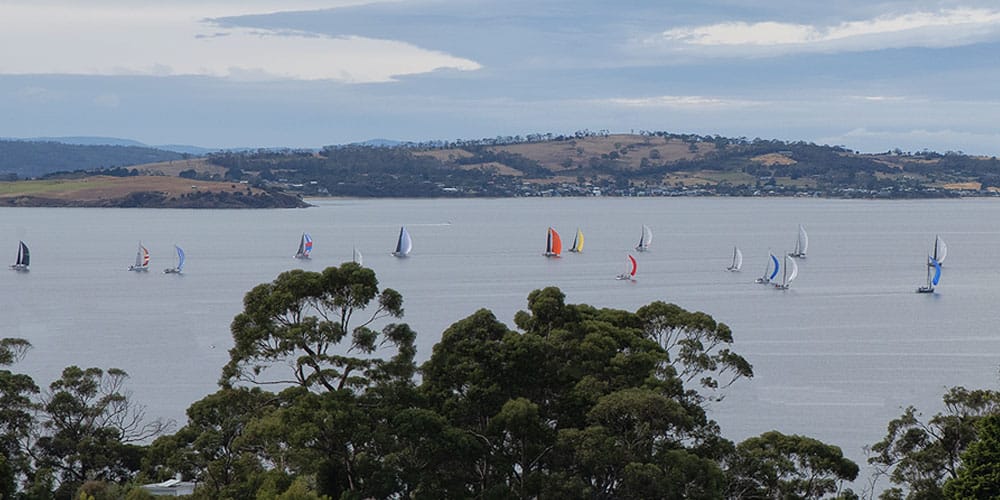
835	357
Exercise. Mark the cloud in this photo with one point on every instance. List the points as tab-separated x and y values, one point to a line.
680	101
943	28
115	39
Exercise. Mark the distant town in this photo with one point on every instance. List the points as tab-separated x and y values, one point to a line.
585	163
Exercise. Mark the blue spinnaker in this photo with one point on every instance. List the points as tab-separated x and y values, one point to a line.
775	273
937	271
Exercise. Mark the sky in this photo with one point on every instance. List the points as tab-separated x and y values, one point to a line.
867	75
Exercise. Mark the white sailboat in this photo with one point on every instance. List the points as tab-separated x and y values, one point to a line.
737	260
404	244
770	270
801	244
645	240
630	268
305	247
141	260
789	274
357	258
939	252
180	262
23	258
933	275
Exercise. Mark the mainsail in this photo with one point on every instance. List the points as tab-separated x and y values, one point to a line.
404	244
553	244
305	247
645	240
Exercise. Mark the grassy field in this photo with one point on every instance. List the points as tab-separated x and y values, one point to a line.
109	188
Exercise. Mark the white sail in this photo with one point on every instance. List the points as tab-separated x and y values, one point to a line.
940	250
737	260
404	245
646	239
801	244
358	259
793	270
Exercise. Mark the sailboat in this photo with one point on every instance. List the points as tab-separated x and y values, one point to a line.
801	244
141	260
23	258
180	262
357	257
630	269
932	279
305	247
553	244
737	260
645	239
789	274
577	242
404	244
771	270
940	251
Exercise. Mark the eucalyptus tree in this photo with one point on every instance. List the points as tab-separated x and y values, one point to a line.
919	455
313	335
17	409
582	402
90	429
979	475
776	465
303	320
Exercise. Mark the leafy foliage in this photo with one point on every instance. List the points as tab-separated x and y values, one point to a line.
920	456
302	317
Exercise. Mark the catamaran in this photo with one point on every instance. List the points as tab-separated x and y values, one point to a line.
932	279
141	260
577	242
789	274
737	260
771	270
630	269
23	258
180	262
305	247
801	244
404	244
645	239
940	251
553	244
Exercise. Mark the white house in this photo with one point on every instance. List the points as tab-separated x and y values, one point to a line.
171	488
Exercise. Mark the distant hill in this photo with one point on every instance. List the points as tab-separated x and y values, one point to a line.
115	141
28	159
587	163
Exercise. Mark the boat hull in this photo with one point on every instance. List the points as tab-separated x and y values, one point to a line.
21	268
925	289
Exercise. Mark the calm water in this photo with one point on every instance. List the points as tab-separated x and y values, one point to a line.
836	357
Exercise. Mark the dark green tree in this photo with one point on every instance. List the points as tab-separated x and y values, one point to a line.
775	465
89	428
335	421
304	318
16	417
582	402
919	456
220	446
979	475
